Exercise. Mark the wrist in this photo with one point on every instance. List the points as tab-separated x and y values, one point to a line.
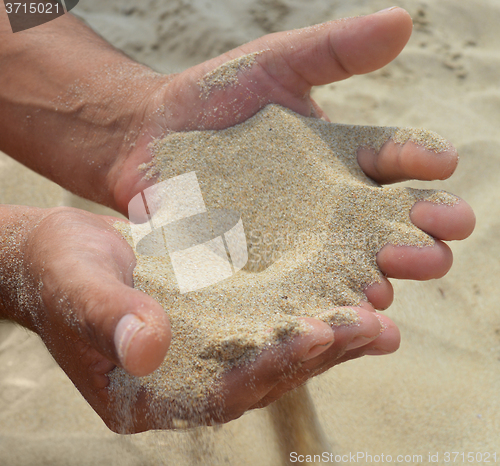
18	287
71	105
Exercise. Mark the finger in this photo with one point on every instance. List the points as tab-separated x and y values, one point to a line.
380	294
399	162
337	50
350	342
248	384
388	341
411	262
317	111
333	51
87	288
125	325
442	221
285	68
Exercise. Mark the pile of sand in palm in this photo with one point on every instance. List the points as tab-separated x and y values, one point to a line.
314	223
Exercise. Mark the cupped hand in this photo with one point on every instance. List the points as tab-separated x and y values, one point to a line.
283	70
80	269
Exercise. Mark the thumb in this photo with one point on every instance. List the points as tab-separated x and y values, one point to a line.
141	338
335	50
283	69
125	325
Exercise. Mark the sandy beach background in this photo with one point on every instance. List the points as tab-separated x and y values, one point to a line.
441	391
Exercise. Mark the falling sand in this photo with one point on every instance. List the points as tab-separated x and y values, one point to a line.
314	223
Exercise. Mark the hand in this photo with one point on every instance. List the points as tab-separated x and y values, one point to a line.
68	277
144	105
287	66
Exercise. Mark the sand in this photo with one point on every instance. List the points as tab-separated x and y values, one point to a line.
439	392
314	223
227	74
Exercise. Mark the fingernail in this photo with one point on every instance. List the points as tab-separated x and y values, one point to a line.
383	325
358	341
125	332
323	337
375	352
316	351
386	9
